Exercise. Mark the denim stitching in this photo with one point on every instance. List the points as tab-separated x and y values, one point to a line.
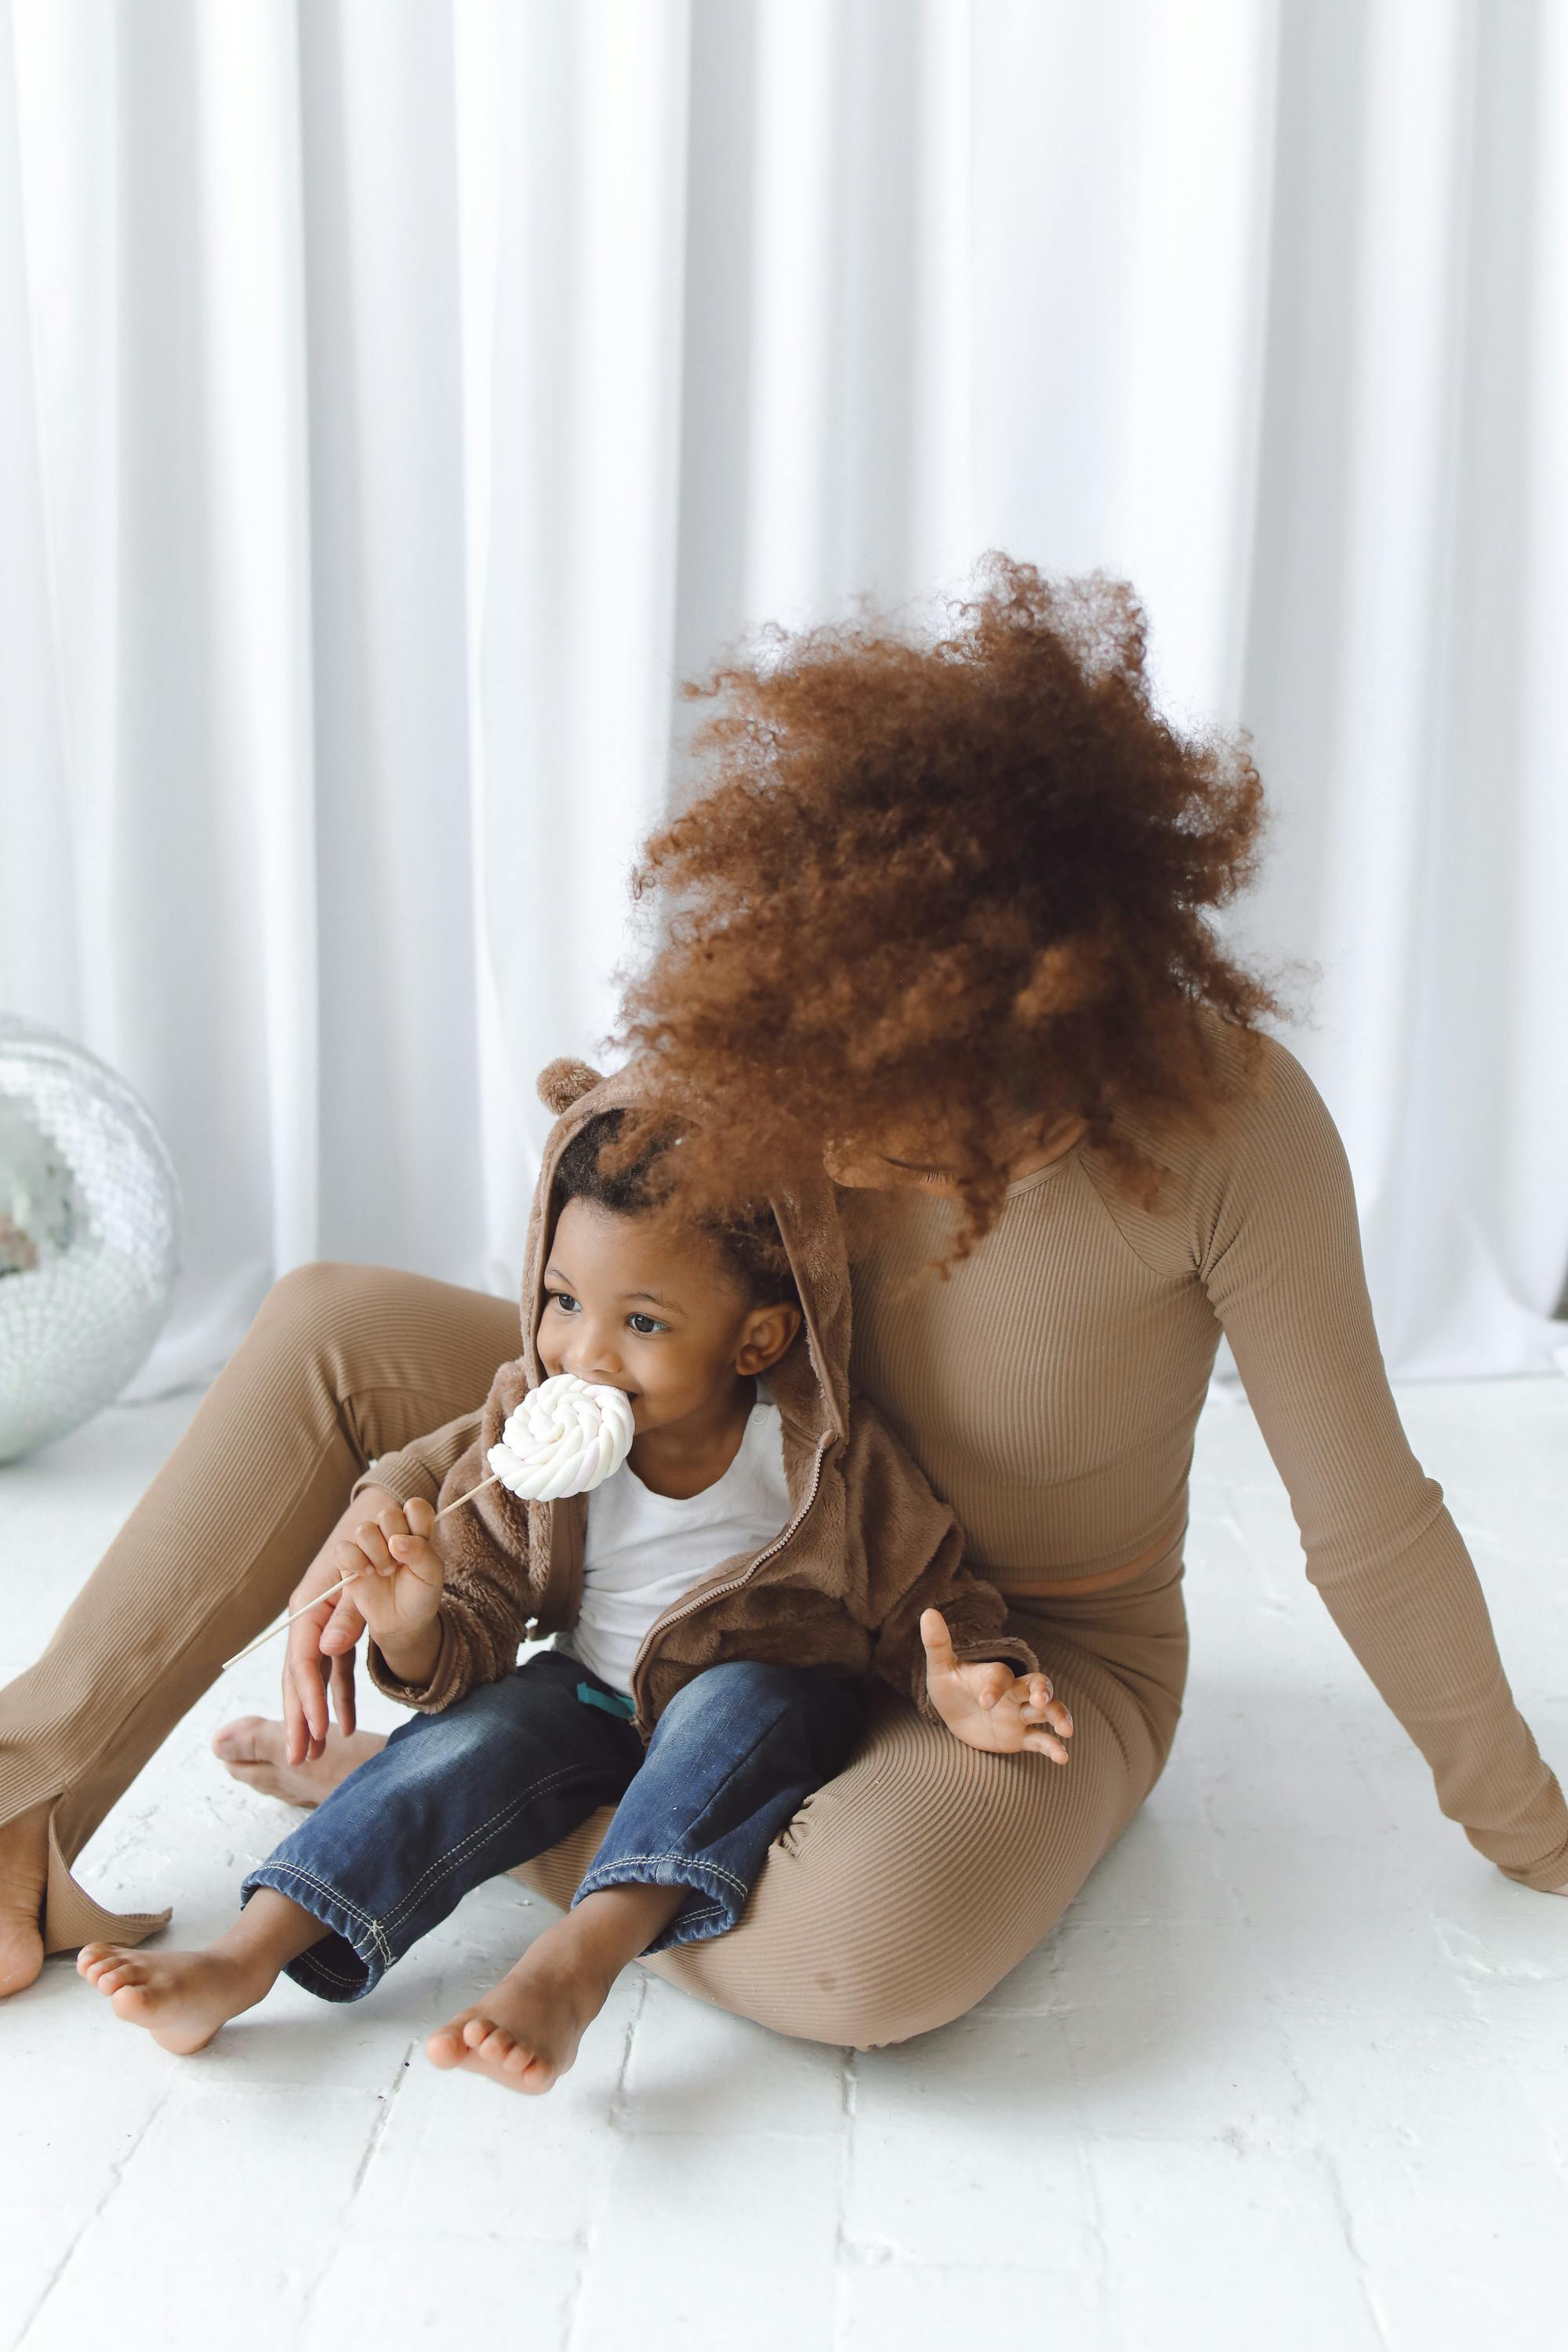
332	1895
695	1919
694	1862
321	1968
496	1822
367	1983
493	1821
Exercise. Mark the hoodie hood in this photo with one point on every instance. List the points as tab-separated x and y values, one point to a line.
810	1383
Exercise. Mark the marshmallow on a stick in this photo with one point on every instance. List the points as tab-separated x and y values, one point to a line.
565	1437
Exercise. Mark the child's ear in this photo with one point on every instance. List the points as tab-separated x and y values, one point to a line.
769	1334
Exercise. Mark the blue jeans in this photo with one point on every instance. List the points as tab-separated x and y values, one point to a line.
457	1797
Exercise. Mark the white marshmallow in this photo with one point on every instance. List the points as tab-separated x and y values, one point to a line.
566	1437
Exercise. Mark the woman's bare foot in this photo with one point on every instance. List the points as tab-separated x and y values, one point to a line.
525	2033
253	1748
181	1998
24	1873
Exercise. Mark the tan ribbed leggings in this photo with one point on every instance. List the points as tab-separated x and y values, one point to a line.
898	1894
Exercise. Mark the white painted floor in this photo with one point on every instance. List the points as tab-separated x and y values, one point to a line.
1293	2070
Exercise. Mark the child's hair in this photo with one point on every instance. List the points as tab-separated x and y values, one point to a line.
749	1237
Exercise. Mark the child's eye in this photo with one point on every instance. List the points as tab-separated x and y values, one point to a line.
644	1325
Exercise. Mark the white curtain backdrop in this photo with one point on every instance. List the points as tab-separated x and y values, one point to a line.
396	399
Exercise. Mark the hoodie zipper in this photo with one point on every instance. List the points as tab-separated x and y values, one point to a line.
769	1551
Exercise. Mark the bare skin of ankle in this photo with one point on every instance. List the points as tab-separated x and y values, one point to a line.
254	1748
24	1871
524	2033
180	1998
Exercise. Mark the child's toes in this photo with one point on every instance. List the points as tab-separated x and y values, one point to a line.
516	2060
93	1958
117	1972
446	2047
496	2047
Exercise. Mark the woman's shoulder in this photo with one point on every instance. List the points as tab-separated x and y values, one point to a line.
1262	1135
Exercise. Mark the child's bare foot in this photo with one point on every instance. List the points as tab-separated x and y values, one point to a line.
254	1748
525	2033
24	1867
181	1998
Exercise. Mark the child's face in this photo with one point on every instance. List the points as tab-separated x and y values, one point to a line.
651	1308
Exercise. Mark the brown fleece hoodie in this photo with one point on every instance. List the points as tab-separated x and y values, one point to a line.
867	1546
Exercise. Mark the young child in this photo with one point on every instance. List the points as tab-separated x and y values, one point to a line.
722	1605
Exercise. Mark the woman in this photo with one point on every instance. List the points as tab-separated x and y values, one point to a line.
938	916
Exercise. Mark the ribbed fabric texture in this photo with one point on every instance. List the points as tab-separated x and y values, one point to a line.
1050	1389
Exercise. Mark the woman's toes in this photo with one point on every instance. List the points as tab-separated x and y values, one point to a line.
243	1741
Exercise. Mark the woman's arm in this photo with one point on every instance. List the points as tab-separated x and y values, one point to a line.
1282	1261
418	1468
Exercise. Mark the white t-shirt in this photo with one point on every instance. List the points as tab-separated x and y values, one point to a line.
643	1550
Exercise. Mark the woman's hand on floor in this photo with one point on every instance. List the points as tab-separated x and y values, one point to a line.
986	1704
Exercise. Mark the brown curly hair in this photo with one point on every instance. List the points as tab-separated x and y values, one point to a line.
944	889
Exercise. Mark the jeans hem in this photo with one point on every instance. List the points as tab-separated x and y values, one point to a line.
729	1895
362	1935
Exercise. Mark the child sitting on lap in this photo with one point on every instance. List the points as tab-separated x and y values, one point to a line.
722	1606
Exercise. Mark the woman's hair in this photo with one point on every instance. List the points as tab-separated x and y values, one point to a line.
944	887
749	1239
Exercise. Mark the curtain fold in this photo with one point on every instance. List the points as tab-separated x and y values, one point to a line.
395	404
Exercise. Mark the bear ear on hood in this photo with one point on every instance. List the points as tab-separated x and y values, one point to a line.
565	1081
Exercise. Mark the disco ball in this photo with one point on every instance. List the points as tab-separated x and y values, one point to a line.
89	1235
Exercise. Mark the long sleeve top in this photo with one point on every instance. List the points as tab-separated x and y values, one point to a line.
1051	1387
1050	1391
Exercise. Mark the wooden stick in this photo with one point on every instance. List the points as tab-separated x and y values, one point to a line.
469	1497
354	1574
349	1579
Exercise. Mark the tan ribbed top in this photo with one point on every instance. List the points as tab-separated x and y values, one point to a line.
1050	1390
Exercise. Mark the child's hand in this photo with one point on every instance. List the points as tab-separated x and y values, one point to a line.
398	1572
984	1703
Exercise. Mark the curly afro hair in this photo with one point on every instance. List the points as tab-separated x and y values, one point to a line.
749	1239
948	889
